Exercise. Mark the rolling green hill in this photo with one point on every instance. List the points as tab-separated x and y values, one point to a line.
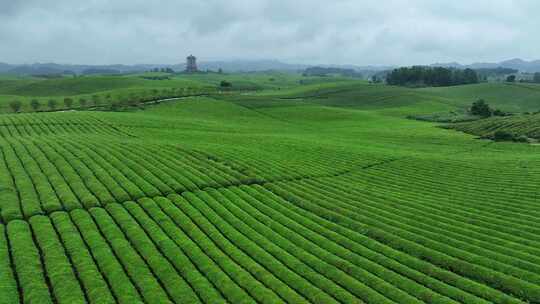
508	97
312	193
27	89
518	125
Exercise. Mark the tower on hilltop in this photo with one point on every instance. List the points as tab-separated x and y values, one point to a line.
191	64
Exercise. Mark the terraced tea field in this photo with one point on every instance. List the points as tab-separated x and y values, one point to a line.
321	194
520	125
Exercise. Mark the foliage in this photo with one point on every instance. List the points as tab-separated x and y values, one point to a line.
315	193
445	117
15	105
499	71
536	78
431	76
68	102
225	84
522	126
35	104
481	108
83	102
52	104
501	135
511	78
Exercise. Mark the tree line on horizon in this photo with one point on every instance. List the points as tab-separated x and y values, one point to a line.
418	76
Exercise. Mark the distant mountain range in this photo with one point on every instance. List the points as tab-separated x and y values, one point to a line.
516	64
227	66
234	66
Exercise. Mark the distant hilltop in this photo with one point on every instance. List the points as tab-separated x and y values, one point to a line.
515	64
236	66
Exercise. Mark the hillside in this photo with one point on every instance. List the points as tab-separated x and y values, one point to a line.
519	125
508	97
117	89
315	193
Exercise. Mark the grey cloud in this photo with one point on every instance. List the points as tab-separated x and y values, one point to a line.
305	31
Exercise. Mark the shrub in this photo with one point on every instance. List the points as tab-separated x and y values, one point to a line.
499	113
52	104
35	104
57	266
503	136
68	102
480	108
511	78
28	265
522	139
225	84
15	105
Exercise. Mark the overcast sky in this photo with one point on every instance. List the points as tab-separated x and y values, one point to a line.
390	32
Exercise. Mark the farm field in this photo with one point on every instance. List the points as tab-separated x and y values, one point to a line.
518	125
321	192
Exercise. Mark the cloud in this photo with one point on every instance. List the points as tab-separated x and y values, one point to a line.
305	31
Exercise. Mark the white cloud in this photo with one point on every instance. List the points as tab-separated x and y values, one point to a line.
310	31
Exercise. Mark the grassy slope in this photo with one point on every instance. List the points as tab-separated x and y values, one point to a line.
383	179
526	125
507	97
26	89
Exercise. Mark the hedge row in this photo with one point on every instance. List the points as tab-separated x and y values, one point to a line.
426	275
28	266
8	285
92	280
64	283
190	271
120	283
210	268
174	284
391	236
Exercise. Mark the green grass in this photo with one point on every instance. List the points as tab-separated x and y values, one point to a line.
504	96
123	86
527	125
297	193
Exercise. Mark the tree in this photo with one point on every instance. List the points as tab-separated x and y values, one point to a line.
536	77
15	105
52	104
375	79
503	136
511	78
95	99
498	112
431	76
68	102
470	76
225	84
82	102
480	108
35	104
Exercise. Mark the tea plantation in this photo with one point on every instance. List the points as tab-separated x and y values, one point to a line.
315	193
